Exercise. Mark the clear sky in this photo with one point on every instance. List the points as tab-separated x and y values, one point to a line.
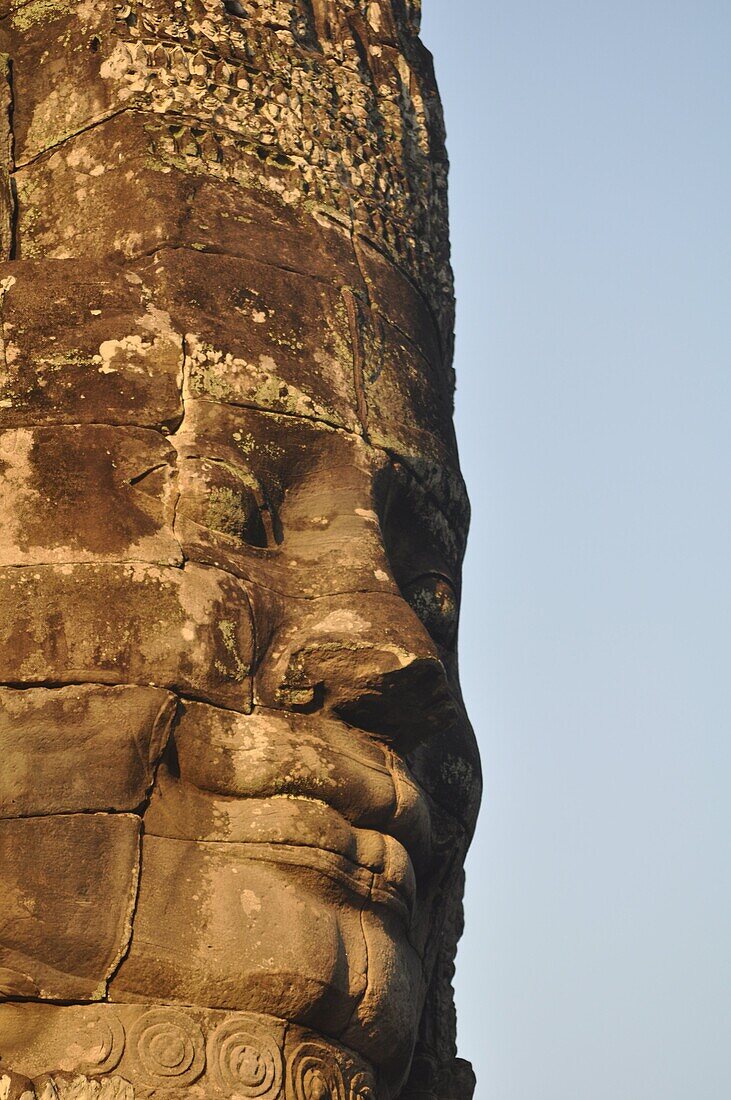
591	221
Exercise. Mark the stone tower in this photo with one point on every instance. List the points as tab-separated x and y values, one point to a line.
237	781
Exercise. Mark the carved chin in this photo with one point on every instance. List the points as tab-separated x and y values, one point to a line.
298	976
287	931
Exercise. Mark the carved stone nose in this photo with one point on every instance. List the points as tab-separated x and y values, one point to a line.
372	664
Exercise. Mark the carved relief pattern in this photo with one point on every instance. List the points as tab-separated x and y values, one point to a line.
362	1087
315	1074
347	124
133	1051
98	1045
245	1060
80	1087
166	1045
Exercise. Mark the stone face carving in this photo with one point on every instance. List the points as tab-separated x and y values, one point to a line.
237	782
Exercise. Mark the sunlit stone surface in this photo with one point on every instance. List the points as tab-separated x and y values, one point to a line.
237	782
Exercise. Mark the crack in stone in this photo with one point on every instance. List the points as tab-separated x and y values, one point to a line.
207	250
184	392
99	563
8	229
91	125
356	338
128	931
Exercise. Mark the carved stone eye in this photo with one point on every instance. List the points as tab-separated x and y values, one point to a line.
435	602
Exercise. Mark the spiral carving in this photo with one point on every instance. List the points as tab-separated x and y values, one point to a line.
231	1056
363	1087
315	1073
245	1060
168	1047
98	1045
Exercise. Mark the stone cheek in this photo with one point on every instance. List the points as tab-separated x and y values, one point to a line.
65	922
187	630
82	748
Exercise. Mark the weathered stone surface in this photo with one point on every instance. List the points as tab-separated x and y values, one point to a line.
216	943
65	921
87	494
81	748
50	103
285	343
185	629
238	783
15	1086
83	343
278	752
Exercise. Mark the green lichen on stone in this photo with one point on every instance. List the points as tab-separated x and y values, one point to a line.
227	512
207	381
227	630
38	11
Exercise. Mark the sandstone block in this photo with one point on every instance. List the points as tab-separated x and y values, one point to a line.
92	493
185	629
83	344
68	886
75	749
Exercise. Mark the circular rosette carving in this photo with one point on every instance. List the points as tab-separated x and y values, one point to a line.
97	1045
363	1087
246	1060
316	1073
168	1046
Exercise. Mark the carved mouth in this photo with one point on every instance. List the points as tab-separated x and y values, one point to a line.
300	790
382	874
290	830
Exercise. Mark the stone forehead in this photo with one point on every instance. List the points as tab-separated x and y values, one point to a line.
290	175
286	343
330	106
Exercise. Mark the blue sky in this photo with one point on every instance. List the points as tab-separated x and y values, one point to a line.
591	222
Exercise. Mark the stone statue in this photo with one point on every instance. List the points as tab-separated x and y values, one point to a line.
237	782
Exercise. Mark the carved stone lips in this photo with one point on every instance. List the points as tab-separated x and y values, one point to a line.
270	754
289	830
299	790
